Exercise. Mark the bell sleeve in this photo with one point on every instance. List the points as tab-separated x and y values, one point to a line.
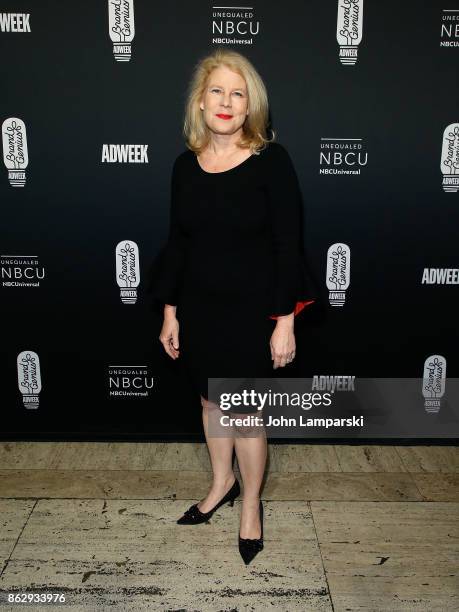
168	267
290	291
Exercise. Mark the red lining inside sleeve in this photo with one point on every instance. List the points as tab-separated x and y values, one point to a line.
298	308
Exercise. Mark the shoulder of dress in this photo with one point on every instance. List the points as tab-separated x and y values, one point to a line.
274	145
276	155
274	150
182	161
183	156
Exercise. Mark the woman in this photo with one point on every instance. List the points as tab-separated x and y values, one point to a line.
232	277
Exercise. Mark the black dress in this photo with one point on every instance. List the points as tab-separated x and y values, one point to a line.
233	262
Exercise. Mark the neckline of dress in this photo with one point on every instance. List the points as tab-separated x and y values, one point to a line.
222	171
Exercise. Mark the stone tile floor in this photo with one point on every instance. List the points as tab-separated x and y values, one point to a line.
346	528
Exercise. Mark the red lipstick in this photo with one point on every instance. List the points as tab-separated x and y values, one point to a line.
222	116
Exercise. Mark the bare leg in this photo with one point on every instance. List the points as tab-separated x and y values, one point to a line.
251	456
221	458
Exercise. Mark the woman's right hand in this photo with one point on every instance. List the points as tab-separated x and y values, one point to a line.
169	336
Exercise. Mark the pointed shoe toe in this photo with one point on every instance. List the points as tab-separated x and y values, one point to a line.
249	548
194	516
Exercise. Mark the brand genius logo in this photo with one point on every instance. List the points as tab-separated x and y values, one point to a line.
29	378
15	155
121	28
433	382
127	270
449	163
349	30
338	272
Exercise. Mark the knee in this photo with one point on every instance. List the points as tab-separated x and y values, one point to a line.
253	427
208	405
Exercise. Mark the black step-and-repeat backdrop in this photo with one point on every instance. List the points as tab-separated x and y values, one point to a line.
364	96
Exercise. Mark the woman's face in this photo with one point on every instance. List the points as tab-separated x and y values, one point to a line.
225	101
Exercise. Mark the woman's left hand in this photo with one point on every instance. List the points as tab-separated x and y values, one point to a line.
282	343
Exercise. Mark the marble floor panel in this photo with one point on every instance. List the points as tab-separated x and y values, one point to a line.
347	528
132	553
390	556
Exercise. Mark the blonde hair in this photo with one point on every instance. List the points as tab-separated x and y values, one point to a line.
195	130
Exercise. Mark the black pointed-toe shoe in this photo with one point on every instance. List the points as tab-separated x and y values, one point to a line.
249	548
194	516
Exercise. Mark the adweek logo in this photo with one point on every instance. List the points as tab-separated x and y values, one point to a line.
15	154
333	383
14	22
125	154
440	276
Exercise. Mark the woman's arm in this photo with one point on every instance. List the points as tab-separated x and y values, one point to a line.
171	271
285	202
288	293
172	258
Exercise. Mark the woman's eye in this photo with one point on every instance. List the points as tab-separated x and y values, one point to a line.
216	90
